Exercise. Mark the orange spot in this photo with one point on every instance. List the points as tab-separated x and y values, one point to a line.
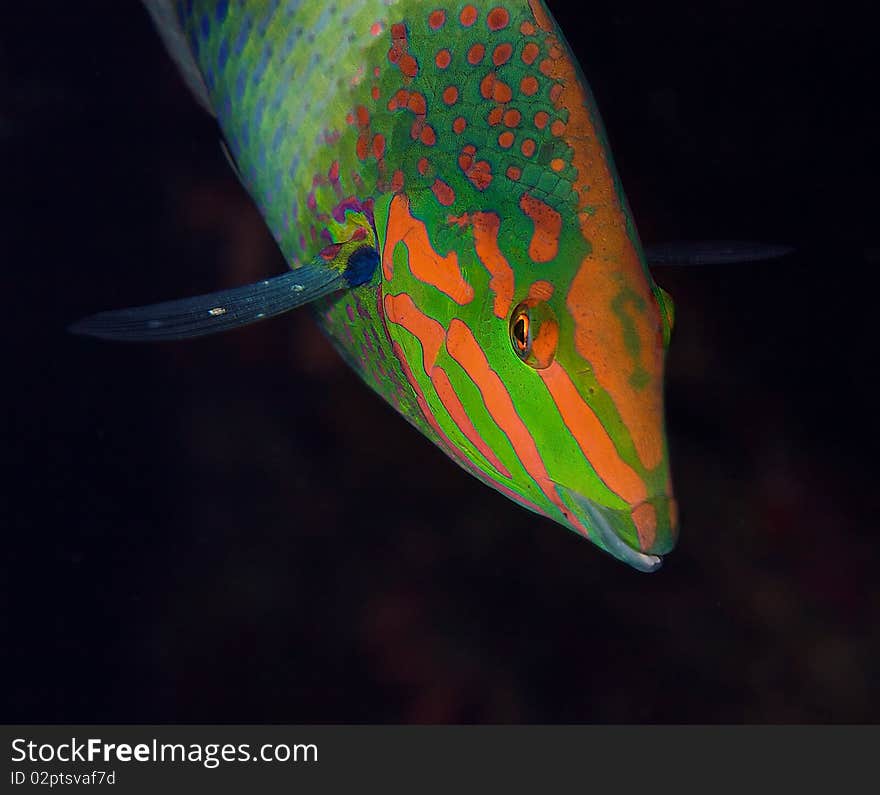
541	119
558	127
475	54
376	29
555	93
442	59
527	29
495	116
408	65
644	517
502	54
449	398
397	183
459	125
528	147
417	104
540	291
557	164
546	67
513	173
505	140
374	92
436	19
498	19
487	85
529	86
530	53
467	352
501	92
445	194
429	137
468	16
450	95
362	147
512	118
478	172
424	262
378	145
591	436
548	224
363	116
423	166
349	118
466	158
401	310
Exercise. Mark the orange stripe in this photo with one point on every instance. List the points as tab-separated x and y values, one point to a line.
544	244
599	338
467	352
401	309
424	262
591	436
612	271
486	227
460	457
448	396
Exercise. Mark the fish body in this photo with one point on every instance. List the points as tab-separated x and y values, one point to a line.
511	316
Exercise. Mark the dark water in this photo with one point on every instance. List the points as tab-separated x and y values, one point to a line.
236	530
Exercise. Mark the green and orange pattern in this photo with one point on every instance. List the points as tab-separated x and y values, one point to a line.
512	318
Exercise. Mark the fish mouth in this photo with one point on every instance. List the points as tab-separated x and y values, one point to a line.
610	527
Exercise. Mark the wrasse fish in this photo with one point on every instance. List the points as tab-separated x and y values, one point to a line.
438	179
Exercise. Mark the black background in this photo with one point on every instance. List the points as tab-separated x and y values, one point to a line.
235	529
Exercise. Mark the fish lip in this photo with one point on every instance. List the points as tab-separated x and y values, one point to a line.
612	542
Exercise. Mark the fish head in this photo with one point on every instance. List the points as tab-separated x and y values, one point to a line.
517	294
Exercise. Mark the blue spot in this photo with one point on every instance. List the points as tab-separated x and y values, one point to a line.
361	266
260	68
240	86
242	37
222	8
223	54
268	13
287	48
259	110
278	136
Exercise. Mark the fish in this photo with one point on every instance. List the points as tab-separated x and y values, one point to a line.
440	183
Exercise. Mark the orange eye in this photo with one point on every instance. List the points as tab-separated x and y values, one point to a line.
534	333
519	332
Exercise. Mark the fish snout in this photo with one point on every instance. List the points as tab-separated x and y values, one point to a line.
638	535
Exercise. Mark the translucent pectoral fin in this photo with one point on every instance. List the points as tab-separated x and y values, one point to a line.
228	309
713	252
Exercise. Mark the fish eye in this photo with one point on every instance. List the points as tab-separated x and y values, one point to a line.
534	333
519	331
